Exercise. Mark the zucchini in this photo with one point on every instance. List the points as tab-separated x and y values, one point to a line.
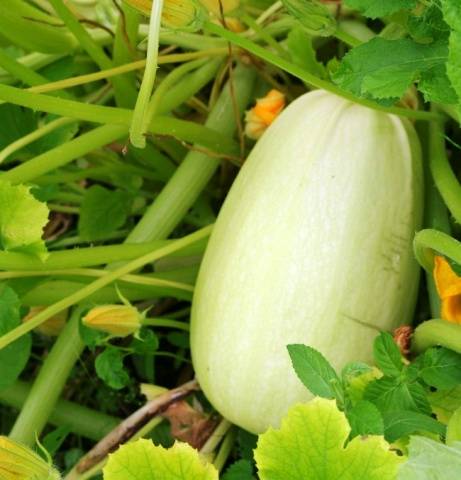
313	245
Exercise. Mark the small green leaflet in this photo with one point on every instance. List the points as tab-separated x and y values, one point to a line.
102	212
431	460
365	419
310	446
402	423
380	8
387	355
109	368
145	342
440	368
22	220
142	460
384	69
240	470
16	122
452	14
392	394
314	371
13	358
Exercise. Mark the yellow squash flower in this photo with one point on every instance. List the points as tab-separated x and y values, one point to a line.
449	289
263	113
17	462
117	320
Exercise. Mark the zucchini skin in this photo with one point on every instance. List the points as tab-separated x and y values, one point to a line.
313	245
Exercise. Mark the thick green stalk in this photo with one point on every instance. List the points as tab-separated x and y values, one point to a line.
429	242
20	71
442	173
83	421
437	332
88	257
139	123
47	387
171	79
191	177
188	86
125	52
65	153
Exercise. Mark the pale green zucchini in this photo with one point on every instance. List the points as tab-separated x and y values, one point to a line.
313	245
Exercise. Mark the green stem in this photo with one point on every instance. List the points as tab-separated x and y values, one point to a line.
140	122
167	323
444	178
87	272
428	242
171	79
88	257
196	170
83	421
437	332
216	437
32	136
225	449
346	38
20	71
125	51
256	27
435	211
49	383
65	153
108	278
310	79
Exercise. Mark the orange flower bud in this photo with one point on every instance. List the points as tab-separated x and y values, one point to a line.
118	320
263	113
53	326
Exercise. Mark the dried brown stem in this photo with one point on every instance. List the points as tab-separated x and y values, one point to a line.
133	423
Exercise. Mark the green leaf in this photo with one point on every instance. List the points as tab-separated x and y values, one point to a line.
387	355
380	8
384	69
102	212
22	220
402	423
314	370
302	52
142	460
315	17
310	446
454	427
365	419
392	394
445	402
241	470
356	385
428	25
16	122
54	439
452	15
436	86
145	342
246	443
431	460
13	358
440	368
110	369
